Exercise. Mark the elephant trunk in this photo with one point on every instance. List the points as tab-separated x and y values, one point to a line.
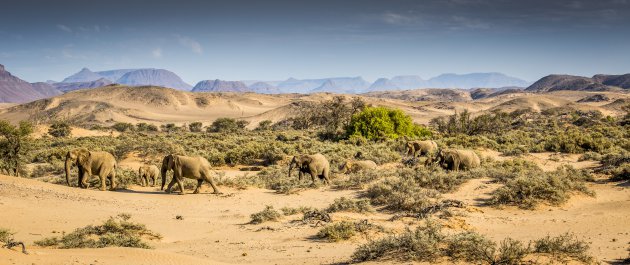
163	174
68	170
290	168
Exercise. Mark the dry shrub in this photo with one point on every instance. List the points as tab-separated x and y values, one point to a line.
564	246
286	211
266	215
345	230
344	204
526	191
398	194
115	232
428	243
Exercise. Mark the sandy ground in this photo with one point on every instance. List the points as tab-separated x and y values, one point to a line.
215	228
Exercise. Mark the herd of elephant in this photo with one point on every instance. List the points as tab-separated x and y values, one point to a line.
103	164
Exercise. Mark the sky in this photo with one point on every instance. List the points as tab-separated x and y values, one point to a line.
275	40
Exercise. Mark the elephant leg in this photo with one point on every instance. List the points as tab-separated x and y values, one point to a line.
313	174
210	179
170	185
199	182
113	179
84	180
153	179
180	183
456	165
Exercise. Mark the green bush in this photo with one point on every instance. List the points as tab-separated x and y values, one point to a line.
266	215
375	123
343	230
195	126
59	129
115	232
227	125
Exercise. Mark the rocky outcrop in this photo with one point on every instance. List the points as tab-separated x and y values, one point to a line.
220	86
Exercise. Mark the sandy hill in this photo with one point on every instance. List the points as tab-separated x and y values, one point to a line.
157	105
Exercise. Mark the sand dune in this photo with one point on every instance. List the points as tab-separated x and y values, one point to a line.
162	105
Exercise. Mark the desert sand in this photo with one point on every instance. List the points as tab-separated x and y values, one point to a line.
215	228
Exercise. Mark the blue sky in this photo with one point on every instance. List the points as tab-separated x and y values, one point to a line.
275	40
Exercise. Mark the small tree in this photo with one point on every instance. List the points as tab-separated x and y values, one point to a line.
227	125
380	122
195	126
14	145
59	129
169	127
123	127
145	127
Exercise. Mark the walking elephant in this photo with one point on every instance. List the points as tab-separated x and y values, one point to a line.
314	165
102	164
147	172
194	167
422	148
356	166
456	159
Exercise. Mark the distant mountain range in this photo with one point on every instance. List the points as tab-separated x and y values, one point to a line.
13	89
132	77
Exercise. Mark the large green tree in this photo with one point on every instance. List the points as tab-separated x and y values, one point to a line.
381	122
14	144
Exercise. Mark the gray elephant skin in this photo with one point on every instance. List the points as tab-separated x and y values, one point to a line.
192	167
147	172
314	165
456	159
422	148
102	164
356	166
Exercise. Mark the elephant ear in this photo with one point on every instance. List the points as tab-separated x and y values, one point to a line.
82	156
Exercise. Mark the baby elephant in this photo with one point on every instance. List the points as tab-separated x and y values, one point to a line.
456	159
356	166
147	172
421	148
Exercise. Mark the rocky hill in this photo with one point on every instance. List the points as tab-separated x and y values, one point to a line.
133	77
85	75
334	84
220	86
383	84
580	83
473	80
65	87
14	89
153	77
264	88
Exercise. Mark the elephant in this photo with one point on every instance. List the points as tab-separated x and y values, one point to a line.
147	172
422	148
356	166
315	165
455	159
91	163
192	167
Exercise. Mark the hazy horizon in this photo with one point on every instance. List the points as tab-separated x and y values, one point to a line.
276	40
